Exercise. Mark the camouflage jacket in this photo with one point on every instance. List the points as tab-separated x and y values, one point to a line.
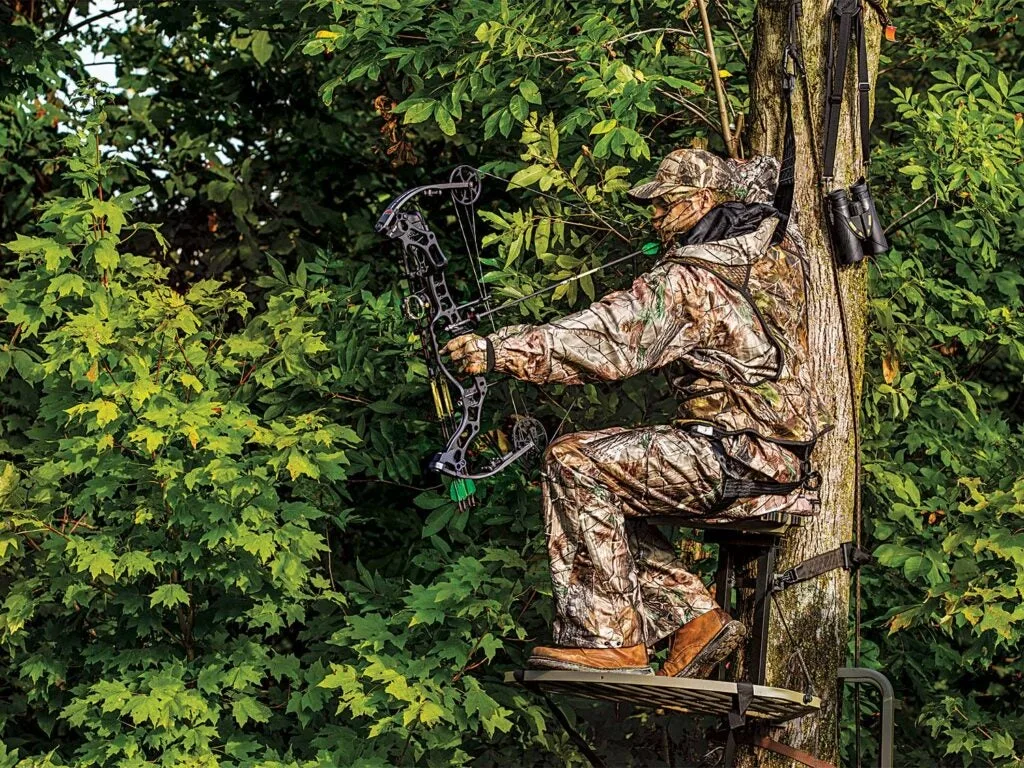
726	320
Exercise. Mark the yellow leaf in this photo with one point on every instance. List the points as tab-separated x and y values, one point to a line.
188	380
94	372
326	34
724	74
900	621
299	465
193	436
106	412
107	441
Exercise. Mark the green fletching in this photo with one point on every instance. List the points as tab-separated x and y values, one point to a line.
460	489
456	492
651	249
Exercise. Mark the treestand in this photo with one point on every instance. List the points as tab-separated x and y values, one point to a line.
745	583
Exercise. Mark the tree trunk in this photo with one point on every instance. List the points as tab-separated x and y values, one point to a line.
817	611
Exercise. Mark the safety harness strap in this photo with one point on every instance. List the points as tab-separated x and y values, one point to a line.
783	201
804	758
847	556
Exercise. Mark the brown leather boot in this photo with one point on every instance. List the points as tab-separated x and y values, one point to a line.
632	660
700	644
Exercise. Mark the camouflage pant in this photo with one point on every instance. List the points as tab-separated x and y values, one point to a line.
617	581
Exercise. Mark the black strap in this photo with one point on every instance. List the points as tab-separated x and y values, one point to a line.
783	201
850	16
737	719
847	556
489	349
848	13
740	480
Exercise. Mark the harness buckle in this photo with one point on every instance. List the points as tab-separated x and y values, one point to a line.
785	579
853	556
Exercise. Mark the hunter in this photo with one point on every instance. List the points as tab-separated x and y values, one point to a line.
724	315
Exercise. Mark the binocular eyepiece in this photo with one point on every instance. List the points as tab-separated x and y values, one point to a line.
853	224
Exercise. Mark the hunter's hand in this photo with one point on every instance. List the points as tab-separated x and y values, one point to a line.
471	354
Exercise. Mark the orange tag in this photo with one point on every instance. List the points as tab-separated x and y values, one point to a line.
890	33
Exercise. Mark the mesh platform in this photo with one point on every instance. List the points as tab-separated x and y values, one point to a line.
678	694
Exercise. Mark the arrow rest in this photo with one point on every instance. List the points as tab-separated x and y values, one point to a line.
414	308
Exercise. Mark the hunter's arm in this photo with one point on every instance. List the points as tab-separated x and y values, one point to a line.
657	320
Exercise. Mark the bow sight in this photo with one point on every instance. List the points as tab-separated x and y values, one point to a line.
439	317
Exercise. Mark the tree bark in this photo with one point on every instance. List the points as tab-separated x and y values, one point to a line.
817	611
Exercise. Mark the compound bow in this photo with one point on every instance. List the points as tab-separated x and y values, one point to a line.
431	306
439	317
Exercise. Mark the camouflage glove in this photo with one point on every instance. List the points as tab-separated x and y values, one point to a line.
470	354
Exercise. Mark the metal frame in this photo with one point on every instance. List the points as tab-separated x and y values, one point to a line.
859	675
737	550
676	694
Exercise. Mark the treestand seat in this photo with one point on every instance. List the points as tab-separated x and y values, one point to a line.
744	584
746	573
676	694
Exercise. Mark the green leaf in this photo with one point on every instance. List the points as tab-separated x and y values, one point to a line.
262	48
530	91
105	254
519	108
299	465
527	176
437	520
190	381
430	713
106	412
168	595
420	112
246	708
444	121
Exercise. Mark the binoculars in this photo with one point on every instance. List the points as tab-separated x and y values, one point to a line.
853	224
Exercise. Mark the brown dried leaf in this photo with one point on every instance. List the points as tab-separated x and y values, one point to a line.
890	367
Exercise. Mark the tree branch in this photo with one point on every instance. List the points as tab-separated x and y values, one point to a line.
64	19
61	32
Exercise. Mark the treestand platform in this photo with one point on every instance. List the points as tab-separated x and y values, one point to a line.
745	583
718	698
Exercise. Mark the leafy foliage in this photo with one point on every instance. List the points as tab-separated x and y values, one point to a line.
946	357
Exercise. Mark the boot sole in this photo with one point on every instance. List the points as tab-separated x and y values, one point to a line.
717	650
541	662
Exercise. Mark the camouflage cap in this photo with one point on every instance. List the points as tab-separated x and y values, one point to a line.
752	181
